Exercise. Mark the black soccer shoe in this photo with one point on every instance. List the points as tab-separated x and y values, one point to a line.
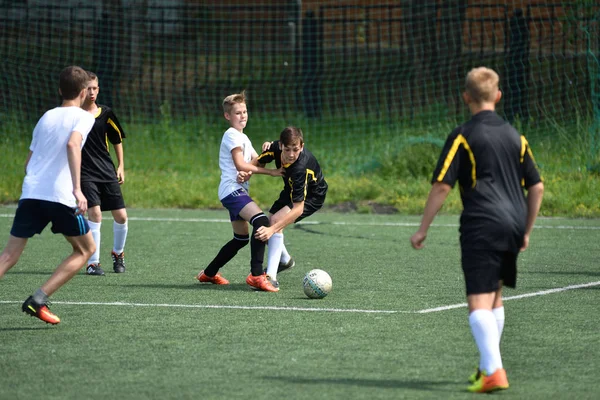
94	269
285	266
118	262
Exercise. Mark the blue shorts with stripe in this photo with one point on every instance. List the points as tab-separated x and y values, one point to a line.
235	202
33	216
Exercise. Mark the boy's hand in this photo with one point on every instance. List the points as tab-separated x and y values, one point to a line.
81	201
417	240
263	233
121	175
525	244
243	176
266	145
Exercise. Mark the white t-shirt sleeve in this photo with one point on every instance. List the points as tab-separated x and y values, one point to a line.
84	125
232	139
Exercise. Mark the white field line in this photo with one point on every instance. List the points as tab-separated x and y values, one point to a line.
215	306
339	223
517	297
334	310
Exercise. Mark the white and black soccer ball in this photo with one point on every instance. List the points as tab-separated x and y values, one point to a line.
317	284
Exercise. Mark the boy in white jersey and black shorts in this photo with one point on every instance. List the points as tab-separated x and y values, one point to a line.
236	154
52	191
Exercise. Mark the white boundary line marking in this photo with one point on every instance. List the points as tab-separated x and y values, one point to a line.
339	223
337	310
205	306
517	297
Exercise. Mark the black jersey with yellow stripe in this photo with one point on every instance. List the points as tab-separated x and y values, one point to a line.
492	164
303	178
96	162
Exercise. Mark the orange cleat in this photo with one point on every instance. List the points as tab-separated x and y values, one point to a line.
261	282
217	279
40	311
491	383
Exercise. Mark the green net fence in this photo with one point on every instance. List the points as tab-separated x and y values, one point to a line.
350	73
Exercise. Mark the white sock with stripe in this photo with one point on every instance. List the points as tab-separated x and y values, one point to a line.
274	254
95	229
120	232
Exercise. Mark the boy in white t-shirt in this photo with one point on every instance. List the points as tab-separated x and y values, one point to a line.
52	190
236	154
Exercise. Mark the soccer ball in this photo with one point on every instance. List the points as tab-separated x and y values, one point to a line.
317	284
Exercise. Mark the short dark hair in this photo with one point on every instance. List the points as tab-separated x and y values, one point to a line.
92	75
72	81
291	135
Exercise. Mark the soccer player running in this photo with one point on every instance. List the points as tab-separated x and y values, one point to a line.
51	191
492	163
101	182
303	194
235	155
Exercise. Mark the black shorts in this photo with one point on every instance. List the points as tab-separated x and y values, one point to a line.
33	216
311	205
107	195
484	269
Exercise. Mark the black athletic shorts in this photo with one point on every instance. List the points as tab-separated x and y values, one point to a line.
483	269
107	195
32	216
311	205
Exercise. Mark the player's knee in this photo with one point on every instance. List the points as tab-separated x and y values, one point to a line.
259	220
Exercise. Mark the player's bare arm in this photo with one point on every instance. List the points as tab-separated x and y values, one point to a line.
27	160
534	202
120	162
437	195
74	157
264	233
241	165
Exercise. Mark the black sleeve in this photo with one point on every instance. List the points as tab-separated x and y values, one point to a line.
269	155
298	185
447	169
531	175
114	130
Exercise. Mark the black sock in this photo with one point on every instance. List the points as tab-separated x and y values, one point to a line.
226	253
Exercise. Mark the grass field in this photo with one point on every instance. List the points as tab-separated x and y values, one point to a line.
393	327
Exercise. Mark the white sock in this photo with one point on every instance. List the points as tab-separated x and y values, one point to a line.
95	229
285	256
485	331
120	232
499	314
274	254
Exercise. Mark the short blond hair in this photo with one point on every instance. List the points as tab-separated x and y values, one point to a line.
482	84
232	99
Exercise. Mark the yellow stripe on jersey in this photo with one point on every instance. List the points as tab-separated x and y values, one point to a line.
268	153
460	140
524	146
98	112
112	123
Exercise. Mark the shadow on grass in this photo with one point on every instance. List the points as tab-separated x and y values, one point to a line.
47	272
196	286
38	328
389	383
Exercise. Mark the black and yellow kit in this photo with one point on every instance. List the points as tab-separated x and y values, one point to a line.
96	162
303	180
493	164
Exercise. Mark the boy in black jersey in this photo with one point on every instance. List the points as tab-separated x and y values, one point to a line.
101	182
303	194
492	163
